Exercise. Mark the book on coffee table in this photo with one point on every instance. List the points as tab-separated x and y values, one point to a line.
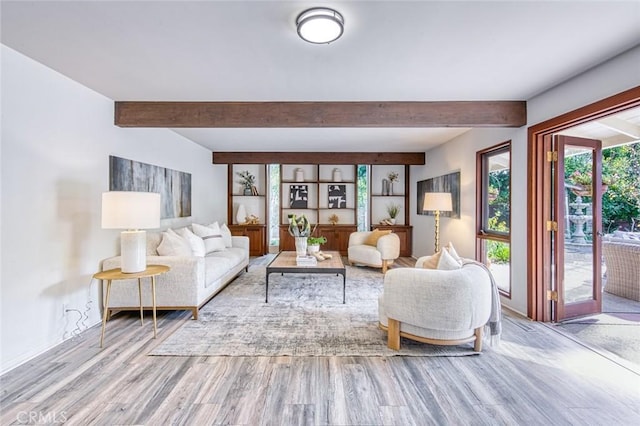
306	261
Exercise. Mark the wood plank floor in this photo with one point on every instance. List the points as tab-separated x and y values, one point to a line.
535	376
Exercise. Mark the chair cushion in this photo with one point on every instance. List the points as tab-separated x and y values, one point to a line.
375	235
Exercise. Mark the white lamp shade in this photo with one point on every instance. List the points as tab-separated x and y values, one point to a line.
130	210
440	201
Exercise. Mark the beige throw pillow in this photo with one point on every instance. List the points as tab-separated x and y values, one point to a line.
431	262
372	239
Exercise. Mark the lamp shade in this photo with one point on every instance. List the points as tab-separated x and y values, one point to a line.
320	25
130	210
440	201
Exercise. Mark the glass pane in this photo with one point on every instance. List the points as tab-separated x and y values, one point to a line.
497	256
363	198
578	235
274	201
498	193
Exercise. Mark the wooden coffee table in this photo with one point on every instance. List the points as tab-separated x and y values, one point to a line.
285	263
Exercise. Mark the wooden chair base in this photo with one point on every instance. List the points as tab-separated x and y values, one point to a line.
394	334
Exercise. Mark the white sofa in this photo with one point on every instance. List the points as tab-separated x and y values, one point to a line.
441	307
191	282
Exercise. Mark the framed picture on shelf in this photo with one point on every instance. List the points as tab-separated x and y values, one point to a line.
337	196
298	196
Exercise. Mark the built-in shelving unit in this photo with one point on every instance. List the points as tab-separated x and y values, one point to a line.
254	204
319	191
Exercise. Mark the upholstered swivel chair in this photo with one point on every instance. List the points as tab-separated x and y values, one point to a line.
373	248
441	307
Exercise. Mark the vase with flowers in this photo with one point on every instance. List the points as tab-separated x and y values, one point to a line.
247	180
300	230
393	177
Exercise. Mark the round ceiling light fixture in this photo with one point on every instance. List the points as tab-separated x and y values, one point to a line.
320	25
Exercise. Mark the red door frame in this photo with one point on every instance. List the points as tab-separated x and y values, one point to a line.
538	208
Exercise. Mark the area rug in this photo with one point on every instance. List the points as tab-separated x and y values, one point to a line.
304	317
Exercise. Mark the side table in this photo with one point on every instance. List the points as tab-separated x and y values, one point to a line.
116	274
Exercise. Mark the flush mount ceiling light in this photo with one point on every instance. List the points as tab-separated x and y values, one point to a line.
320	25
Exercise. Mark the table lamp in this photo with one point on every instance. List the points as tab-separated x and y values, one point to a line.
131	211
438	202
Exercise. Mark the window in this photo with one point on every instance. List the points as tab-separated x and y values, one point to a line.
493	236
273	171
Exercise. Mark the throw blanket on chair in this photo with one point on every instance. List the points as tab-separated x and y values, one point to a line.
495	319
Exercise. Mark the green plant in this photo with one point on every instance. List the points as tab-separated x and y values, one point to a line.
299	226
313	241
246	178
393	210
498	252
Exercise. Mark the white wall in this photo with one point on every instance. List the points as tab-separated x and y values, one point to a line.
617	75
57	136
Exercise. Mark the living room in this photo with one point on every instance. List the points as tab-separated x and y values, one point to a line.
58	134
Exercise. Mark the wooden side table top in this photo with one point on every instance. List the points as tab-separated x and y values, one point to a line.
117	274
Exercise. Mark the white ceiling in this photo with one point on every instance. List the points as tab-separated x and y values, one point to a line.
391	51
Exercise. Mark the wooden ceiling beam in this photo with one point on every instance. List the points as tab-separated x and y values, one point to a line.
321	114
393	158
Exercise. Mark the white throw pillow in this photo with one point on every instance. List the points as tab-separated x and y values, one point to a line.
447	262
453	252
226	235
212	238
196	243
173	245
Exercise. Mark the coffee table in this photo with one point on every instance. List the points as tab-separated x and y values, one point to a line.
285	263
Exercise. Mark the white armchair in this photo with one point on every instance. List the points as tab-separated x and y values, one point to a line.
441	307
380	255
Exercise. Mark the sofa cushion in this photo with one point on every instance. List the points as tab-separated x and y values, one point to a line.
173	244
374	236
154	239
215	267
196	243
212	237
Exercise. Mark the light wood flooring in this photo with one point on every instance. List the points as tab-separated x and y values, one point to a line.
536	376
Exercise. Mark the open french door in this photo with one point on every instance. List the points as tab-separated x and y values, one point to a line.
576	246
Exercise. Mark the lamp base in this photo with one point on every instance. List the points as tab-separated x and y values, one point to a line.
133	251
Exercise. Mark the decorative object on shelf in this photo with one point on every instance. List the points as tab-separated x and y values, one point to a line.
241	214
251	220
437	202
314	243
385	186
247	180
337	175
393	210
393	177
337	196
320	25
298	196
132	211
299	175
447	183
334	219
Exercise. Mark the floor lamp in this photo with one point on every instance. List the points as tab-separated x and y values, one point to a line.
437	202
131	211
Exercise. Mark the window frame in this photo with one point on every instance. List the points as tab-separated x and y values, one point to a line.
483	234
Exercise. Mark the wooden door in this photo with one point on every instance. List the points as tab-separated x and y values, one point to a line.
577	211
